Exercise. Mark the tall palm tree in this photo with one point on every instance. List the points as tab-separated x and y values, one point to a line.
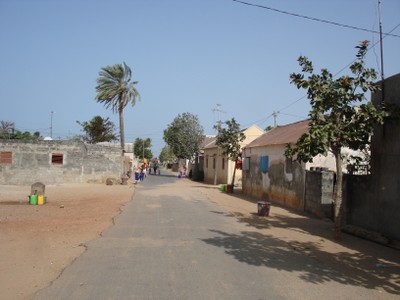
115	90
6	128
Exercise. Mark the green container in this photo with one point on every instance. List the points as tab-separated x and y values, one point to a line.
33	199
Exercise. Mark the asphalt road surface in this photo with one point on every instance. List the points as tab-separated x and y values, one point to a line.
172	242
166	244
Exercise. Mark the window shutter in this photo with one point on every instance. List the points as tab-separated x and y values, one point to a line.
264	164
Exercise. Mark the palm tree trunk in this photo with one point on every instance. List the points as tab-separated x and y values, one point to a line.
122	137
122	129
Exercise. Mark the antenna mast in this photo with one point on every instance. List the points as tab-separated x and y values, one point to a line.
381	48
217	110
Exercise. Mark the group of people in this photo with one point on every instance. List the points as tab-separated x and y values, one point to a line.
154	165
146	167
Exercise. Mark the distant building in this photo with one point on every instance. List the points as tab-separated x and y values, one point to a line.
219	168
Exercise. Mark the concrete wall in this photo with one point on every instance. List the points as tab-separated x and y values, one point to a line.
291	186
319	193
212	154
373	202
32	161
278	184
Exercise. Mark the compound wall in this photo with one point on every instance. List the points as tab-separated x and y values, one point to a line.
53	162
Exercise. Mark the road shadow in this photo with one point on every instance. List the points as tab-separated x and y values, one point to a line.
363	263
313	264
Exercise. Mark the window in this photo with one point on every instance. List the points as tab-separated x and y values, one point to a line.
223	163
214	162
57	159
206	161
6	158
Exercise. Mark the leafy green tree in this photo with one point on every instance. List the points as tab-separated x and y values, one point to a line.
98	130
19	135
8	131
167	155
340	116
229	139
184	136
115	90
141	148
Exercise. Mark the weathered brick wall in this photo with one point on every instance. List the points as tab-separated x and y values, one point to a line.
32	162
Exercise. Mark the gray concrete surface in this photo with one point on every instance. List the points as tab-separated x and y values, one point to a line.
175	242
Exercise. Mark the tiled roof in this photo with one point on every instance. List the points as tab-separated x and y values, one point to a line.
281	135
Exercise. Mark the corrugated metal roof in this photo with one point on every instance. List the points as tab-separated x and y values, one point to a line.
281	135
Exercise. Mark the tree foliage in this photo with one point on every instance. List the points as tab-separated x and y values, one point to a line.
229	139
340	116
116	90
8	131
167	155
98	130
184	136
141	148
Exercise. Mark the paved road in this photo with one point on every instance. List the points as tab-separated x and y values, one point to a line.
174	242
164	245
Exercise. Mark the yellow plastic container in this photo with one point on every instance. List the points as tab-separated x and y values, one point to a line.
40	200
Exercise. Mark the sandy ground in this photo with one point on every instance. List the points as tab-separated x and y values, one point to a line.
38	242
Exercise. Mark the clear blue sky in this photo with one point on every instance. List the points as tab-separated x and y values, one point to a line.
188	56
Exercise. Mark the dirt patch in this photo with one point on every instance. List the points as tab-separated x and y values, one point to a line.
39	241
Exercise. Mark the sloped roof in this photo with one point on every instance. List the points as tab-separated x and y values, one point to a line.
211	143
208	142
281	135
212	140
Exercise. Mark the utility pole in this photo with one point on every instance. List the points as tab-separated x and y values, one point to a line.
275	114
381	48
382	72
51	124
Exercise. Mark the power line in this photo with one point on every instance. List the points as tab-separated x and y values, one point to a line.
313	19
341	70
372	46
